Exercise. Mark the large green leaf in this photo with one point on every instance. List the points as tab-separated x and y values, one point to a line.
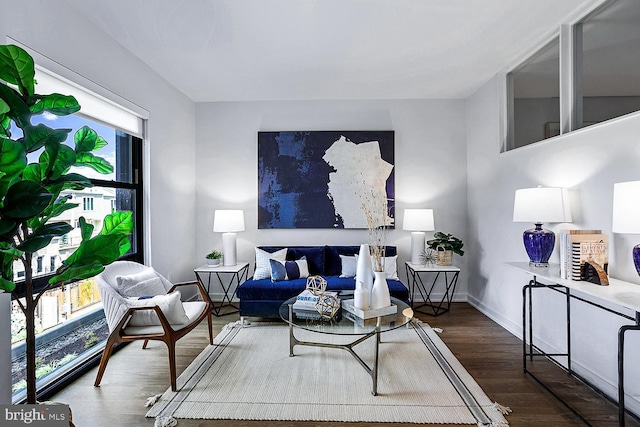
33	172
86	229
25	199
11	252
16	67
13	160
34	243
96	163
52	211
100	143
53	229
60	105
4	107
18	109
6	285
56	160
43	235
5	126
35	137
118	223
85	139
78	181
75	273
7	226
101	248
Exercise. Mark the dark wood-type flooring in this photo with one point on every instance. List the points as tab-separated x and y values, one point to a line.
492	355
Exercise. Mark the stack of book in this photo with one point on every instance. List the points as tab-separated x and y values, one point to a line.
579	246
307	301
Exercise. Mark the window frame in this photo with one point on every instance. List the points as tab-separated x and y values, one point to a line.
571	77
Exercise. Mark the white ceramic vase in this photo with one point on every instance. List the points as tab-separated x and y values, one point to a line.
380	297
364	279
361	297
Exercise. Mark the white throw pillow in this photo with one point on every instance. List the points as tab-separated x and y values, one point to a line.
349	265
170	305
263	266
390	266
147	287
123	282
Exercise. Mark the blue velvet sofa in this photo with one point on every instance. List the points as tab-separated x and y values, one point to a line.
262	298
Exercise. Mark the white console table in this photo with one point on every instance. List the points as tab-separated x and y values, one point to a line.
618	293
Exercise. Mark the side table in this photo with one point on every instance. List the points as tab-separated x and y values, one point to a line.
418	275
229	277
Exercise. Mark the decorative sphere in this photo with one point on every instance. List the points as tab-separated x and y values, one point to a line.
316	285
328	306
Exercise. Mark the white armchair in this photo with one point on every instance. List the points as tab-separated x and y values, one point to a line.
140	304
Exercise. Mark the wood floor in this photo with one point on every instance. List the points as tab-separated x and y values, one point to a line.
491	355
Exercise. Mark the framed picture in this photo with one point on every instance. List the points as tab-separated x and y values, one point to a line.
324	179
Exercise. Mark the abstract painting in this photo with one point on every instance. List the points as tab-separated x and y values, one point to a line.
322	179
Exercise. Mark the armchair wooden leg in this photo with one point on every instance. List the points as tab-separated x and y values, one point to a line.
172	364
210	321
108	349
144	344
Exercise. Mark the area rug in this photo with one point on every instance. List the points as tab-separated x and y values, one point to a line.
248	375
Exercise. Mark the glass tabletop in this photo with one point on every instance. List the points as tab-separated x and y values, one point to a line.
344	322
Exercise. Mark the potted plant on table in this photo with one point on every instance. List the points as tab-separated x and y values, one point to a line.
445	246
213	258
30	193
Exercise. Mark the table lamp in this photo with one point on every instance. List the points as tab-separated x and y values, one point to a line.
228	222
540	205
417	221
626	213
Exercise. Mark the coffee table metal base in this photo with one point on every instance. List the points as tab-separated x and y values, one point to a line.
372	371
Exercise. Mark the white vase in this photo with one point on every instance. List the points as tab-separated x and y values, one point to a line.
361	296
380	297
364	275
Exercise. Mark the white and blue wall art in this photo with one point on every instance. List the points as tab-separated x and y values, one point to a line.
322	179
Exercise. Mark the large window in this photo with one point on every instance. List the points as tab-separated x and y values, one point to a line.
586	76
70	324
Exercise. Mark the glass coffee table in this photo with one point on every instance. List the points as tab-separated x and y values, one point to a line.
344	323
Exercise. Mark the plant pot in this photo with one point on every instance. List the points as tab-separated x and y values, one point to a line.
444	257
213	262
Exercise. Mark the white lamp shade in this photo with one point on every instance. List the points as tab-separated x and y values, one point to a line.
626	207
418	220
228	221
542	205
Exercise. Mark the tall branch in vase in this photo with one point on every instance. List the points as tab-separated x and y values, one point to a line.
375	208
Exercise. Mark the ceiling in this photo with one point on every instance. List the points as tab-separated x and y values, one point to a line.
252	50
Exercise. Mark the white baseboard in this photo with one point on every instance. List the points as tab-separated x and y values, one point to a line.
632	403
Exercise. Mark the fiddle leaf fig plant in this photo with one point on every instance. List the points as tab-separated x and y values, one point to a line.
30	191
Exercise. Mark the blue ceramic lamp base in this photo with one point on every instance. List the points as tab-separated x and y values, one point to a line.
539	244
636	258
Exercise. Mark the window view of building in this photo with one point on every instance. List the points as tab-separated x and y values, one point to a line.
70	322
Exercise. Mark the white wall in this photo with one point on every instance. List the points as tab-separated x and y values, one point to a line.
430	159
55	30
588	162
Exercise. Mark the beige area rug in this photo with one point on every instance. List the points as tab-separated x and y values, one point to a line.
248	375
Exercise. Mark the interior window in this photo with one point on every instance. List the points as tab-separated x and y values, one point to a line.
610	62
534	98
